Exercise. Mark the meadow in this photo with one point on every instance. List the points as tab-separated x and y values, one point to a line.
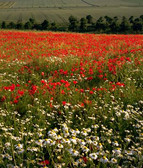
60	10
71	100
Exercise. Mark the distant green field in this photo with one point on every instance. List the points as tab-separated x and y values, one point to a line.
68	3
60	10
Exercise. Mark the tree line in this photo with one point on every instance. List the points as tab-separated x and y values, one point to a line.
104	24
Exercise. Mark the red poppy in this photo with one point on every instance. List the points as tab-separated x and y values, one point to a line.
85	159
64	103
44	163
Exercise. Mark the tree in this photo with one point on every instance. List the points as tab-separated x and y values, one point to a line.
141	17
124	26
89	19
83	24
19	25
53	26
108	22
11	25
114	26
108	19
115	18
73	26
32	21
100	25
138	25
45	25
131	19
28	25
37	26
3	25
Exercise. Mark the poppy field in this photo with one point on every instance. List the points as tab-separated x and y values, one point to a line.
71	100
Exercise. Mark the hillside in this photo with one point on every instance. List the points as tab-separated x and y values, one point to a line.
60	10
66	3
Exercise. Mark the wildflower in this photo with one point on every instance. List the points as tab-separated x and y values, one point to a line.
79	161
95	143
95	126
88	130
9	166
66	133
60	146
33	149
96	138
76	163
19	146
82	142
3	98
52	134
40	142
99	146
47	141
117	151
59	137
127	139
72	131
85	159
44	163
113	160
89	141
20	151
65	127
65	141
85	149
73	140
7	156
93	156
73	152
104	159
52	143
42	73
77	131
64	103
75	82
7	144
84	132
115	143
129	152
55	130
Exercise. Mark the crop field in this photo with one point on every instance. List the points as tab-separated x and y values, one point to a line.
60	10
70	3
6	4
70	100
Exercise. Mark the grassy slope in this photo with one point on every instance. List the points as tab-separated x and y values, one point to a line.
59	11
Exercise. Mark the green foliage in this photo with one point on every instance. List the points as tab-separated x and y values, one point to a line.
124	26
104	24
3	25
54	26
45	25
11	25
73	24
28	25
83	25
19	25
89	19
